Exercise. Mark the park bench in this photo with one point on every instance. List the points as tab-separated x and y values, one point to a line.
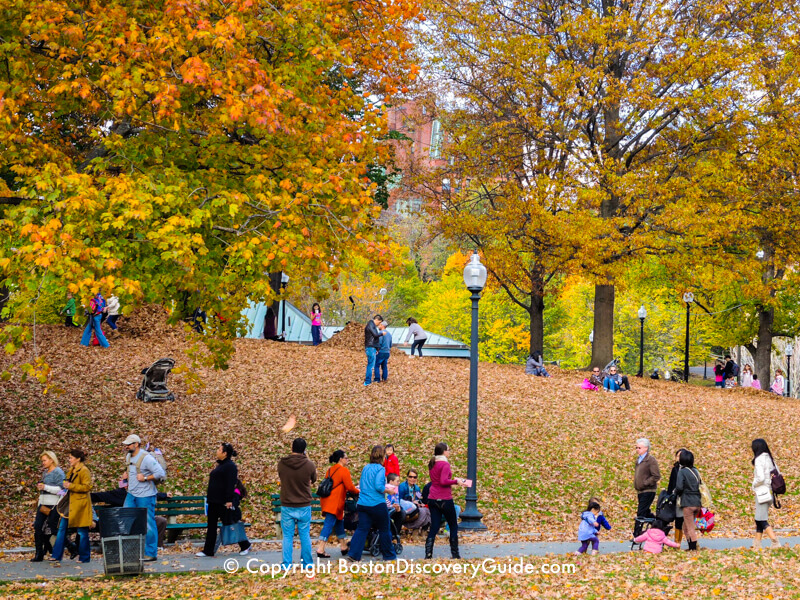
276	509
181	506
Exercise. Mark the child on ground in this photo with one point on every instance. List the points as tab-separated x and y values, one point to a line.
756	384
391	463
655	538
591	521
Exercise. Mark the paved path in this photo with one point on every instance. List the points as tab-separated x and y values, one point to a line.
176	563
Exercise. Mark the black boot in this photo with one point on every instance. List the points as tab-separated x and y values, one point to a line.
38	541
429	548
692	546
454	553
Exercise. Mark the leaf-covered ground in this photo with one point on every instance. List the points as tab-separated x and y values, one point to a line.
673	574
546	446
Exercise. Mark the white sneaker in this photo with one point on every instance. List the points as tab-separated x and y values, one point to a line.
244	552
201	555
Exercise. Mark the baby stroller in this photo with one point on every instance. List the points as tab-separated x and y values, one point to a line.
154	382
372	544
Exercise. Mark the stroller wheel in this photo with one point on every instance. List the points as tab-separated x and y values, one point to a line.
375	549
398	548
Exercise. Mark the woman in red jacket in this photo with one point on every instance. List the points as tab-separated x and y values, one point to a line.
333	506
440	500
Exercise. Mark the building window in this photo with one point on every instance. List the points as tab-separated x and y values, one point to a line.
436	139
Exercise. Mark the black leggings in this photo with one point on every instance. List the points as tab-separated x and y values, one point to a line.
42	540
218	512
446	509
418	344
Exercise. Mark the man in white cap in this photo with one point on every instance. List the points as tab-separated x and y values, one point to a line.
143	474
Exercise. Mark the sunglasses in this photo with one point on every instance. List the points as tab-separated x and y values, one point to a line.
412	477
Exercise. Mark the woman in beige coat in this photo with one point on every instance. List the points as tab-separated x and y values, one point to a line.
78	484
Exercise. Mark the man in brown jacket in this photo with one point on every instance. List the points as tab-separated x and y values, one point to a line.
645	480
296	473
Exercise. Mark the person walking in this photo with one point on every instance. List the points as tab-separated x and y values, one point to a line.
372	510
316	324
763	465
372	343
78	483
143	472
440	499
296	473
49	488
645	481
384	352
673	481
112	309
418	333
332	506
687	489
95	312
221	499
69	311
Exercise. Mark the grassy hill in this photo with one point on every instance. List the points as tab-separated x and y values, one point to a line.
545	445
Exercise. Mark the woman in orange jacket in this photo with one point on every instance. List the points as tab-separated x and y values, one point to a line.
333	506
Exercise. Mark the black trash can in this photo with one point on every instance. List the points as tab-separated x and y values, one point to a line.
122	534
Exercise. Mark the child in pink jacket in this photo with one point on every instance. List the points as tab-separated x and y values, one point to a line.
655	538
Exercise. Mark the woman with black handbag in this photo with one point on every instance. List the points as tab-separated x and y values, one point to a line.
46	522
332	505
673	480
221	496
763	465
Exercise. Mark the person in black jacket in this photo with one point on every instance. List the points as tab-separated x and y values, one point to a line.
221	499
673	480
372	342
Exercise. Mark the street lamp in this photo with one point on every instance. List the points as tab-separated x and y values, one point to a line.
284	283
474	279
688	297
789	352
642	316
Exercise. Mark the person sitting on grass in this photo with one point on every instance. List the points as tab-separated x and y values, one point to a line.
535	365
614	381
656	537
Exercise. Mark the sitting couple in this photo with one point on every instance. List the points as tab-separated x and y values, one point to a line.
609	379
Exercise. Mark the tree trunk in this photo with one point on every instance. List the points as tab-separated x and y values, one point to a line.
763	355
536	312
603	344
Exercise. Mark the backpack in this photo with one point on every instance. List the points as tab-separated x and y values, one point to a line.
157	454
326	486
735	370
241	488
666	506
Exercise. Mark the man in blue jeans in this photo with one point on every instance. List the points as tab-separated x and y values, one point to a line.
296	473
143	473
372	343
382	359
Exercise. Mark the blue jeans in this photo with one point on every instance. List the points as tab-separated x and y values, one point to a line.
610	384
151	539
84	551
417	345
371	355
367	517
458	514
382	364
300	517
316	335
332	524
112	321
94	323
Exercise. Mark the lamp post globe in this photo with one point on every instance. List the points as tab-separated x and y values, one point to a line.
474	280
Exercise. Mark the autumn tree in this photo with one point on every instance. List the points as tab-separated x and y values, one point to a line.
167	150
630	91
